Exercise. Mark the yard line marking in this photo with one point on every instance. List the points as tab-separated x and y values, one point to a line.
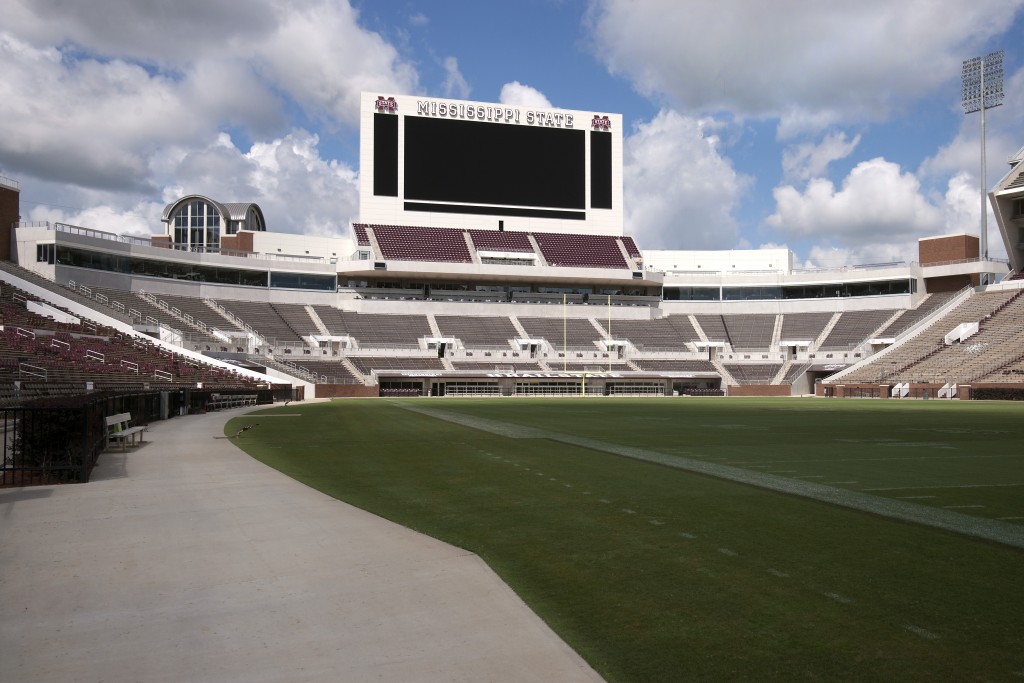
811	476
685	534
841	599
1009	517
656	522
999	531
912	497
628	511
776	572
728	551
918	631
604	500
956	507
840	482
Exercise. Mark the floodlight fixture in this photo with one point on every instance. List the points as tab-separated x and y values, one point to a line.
982	79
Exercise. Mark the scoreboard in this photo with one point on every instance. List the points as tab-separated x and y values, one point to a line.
428	161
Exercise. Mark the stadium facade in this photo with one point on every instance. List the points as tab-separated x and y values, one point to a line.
490	258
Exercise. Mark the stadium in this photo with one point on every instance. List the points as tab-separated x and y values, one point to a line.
490	259
747	525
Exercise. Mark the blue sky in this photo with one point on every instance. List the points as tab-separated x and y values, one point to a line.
831	128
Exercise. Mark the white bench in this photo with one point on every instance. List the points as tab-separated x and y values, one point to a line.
120	429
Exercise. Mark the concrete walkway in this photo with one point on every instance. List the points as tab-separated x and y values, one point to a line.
186	560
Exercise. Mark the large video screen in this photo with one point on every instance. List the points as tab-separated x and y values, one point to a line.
476	162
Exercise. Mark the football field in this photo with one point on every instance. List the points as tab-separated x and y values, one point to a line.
708	539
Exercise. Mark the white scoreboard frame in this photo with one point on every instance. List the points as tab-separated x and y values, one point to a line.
375	209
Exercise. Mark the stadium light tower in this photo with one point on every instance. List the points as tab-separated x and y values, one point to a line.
983	89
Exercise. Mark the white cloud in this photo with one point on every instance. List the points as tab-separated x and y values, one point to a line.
680	192
877	202
876	215
808	160
810	63
323	59
455	84
299	191
114	81
517	94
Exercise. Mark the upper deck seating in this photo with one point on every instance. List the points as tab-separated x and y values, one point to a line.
404	243
198	310
631	248
494	240
714	327
803	326
854	327
362	238
931	303
670	333
581	251
383	330
265	319
478	331
751	331
576	332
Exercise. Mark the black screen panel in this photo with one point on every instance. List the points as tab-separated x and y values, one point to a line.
385	155
476	162
600	170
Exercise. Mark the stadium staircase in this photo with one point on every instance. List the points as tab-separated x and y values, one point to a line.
321	328
826	331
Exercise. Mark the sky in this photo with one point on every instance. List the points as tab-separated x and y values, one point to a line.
831	128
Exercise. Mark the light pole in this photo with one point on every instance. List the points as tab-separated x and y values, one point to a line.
983	89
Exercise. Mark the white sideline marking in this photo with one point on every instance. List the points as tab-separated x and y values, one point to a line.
912	497
568	486
585	493
785	471
776	572
918	631
811	476
952	486
974	526
656	522
628	511
604	500
728	551
957	507
1009	517
685	534
841	599
840	482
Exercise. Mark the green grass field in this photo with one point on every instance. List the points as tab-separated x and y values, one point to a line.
652	572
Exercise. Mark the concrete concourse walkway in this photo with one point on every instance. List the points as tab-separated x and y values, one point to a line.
186	560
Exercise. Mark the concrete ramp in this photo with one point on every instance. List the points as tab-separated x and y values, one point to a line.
186	560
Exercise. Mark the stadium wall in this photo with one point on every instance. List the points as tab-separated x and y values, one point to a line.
760	390
10	214
346	391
